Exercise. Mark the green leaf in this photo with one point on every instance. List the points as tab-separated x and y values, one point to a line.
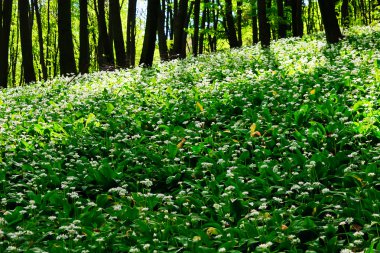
90	118
110	108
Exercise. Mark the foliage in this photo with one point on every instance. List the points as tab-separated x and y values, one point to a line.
239	151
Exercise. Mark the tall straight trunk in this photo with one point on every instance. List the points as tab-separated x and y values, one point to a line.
40	40
5	28
203	26
147	53
264	27
131	33
26	41
255	33
297	23
65	38
84	40
239	11
105	49
281	16
184	35
216	23
117	33
48	30
344	13
197	9
180	16
14	51
162	43
330	21
231	31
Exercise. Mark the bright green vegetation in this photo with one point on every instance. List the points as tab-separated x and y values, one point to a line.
244	151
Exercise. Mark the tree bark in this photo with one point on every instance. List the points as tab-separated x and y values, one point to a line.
84	41
345	15
40	40
105	49
231	30
195	40
282	20
180	16
131	33
65	38
264	27
330	21
117	33
203	26
255	33
239	11
297	23
162	43
5	28
26	41
147	53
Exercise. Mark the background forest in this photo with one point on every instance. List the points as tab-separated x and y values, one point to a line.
41	39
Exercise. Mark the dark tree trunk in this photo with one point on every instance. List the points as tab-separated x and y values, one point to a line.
239	12
330	21
264	28
345	15
26	41
65	38
184	35
5	28
150	33
231	31
203	26
297	23
105	49
131	33
117	33
180	16
163	47
40	40
197	6
255	33
282	20
84	43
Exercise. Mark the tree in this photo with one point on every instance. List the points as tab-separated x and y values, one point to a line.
255	38
195	40
5	27
131	33
282	20
117	33
84	46
150	33
231	31
239	11
297	23
264	27
40	40
180	15
26	41
344	13
162	43
330	21
65	38
105	50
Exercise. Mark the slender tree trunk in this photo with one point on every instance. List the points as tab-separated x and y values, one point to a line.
255	33
297	23
5	26
117	33
162	43
84	46
105	49
345	15
282	20
184	35
40	40
330	21
180	16
264	27
147	53
26	41
203	26
195	40
48	32
239	13
231	31
65	38
131	33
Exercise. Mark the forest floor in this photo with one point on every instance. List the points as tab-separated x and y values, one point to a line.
239	151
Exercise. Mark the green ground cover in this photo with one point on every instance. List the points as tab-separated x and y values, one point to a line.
239	151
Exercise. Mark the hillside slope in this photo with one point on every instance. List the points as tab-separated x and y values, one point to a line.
244	150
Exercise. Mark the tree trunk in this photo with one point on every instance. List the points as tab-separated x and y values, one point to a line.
117	33
231	31
84	43
65	38
195	40
149	43
105	49
264	28
239	12
203	26
26	41
330	21
40	40
282	19
162	43
297	23
255	33
131	33
180	16
345	15
5	28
